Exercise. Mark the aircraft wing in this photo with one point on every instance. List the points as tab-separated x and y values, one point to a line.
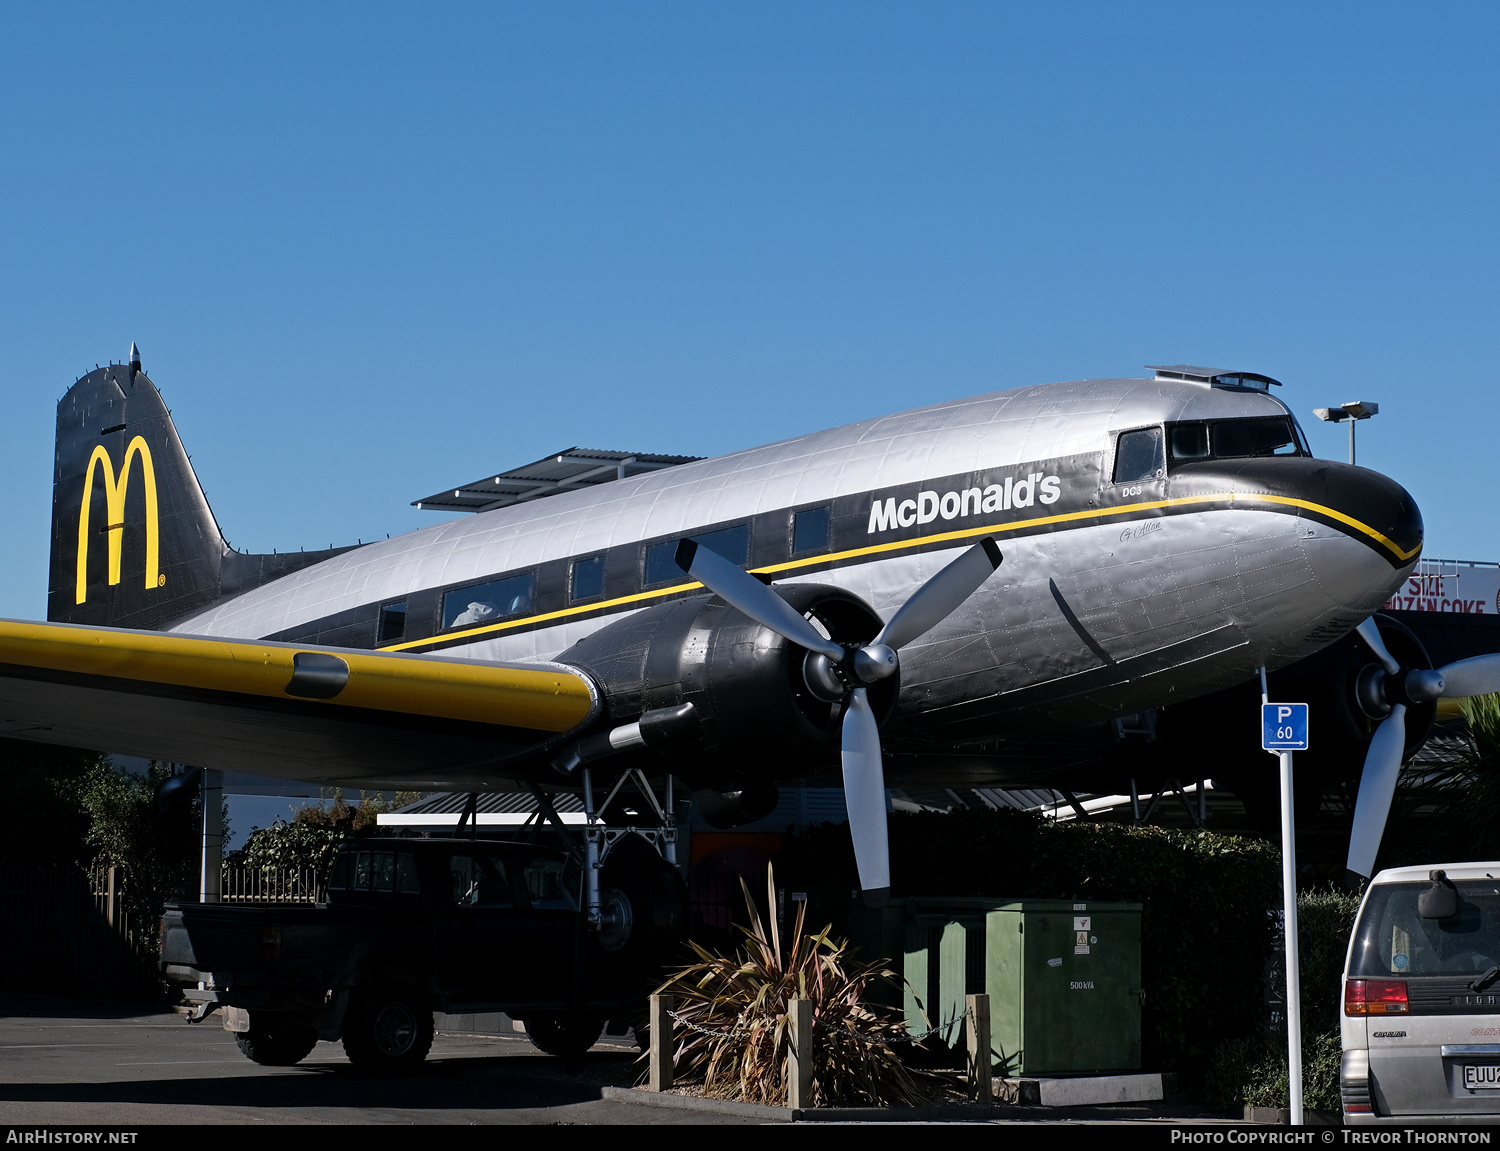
323	715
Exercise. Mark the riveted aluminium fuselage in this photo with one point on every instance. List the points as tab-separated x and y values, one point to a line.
1113	597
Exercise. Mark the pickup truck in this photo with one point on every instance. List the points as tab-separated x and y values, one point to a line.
413	926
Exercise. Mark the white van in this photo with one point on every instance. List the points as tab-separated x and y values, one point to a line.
1421	1021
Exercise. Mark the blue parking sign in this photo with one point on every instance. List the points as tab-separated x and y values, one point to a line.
1283	726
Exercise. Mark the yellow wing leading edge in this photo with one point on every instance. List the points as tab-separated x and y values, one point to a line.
544	699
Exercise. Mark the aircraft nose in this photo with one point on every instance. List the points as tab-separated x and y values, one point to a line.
1367	505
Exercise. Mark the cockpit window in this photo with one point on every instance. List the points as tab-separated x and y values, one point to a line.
1268	437
1234	439
1190	442
1138	456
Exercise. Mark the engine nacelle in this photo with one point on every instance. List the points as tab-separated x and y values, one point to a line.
1219	735
757	717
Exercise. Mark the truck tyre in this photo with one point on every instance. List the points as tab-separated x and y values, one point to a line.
389	1030
277	1042
560	1036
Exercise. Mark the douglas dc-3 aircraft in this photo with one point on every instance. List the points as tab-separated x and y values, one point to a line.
834	600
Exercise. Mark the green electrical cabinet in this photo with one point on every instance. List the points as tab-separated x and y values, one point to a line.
1064	981
1063	977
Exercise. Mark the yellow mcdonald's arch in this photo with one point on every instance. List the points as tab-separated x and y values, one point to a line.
114	501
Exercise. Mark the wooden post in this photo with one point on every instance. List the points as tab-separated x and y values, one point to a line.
799	1072
980	1063
661	1042
111	890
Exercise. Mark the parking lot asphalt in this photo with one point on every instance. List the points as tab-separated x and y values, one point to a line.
70	1062
73	1062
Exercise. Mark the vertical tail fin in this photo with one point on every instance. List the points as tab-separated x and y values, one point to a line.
134	542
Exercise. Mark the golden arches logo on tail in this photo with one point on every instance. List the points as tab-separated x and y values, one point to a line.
114	502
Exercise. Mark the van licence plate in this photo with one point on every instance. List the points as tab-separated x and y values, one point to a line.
1482	1075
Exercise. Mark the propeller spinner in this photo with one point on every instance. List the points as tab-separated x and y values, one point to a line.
841	673
1388	690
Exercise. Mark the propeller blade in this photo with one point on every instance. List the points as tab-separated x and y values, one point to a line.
864	795
1477	676
1377	784
745	593
1371	635
932	603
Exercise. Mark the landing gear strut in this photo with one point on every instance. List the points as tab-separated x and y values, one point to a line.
604	914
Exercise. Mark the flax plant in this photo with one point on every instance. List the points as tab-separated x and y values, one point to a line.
733	1034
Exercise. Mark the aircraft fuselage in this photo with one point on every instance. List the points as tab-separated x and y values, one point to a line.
1124	587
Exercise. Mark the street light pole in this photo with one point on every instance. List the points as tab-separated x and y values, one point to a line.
1352	412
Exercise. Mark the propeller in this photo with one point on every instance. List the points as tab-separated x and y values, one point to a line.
841	673
1387	691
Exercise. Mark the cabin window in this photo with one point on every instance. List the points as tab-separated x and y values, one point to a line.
1138	456
731	543
392	622
587	579
810	530
488	601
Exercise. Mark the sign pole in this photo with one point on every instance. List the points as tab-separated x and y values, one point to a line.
1284	730
1293	976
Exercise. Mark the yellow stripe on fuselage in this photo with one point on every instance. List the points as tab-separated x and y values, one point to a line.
538	700
898	545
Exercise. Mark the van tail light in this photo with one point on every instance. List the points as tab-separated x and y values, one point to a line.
270	943
1375	997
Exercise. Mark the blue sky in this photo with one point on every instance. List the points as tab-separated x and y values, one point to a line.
369	250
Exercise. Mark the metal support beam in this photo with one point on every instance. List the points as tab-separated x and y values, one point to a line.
469	817
1077	807
549	813
593	840
211	854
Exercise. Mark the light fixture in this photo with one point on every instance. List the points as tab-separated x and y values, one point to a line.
1351	412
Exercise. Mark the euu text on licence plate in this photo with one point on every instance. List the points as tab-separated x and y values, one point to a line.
1482	1075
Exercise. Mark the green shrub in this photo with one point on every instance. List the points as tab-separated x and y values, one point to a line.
1248	1072
1325	920
158	852
40	784
313	836
1252	1070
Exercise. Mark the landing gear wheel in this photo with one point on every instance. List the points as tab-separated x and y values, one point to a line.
645	905
276	1042
560	1036
388	1031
